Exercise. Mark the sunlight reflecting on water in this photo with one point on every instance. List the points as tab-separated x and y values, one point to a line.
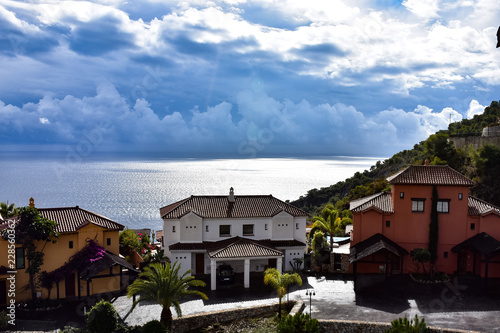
131	192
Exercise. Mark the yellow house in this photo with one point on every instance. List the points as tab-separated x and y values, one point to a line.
77	229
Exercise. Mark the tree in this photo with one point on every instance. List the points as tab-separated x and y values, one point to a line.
7	210
162	284
330	222
130	241
422	256
32	231
280	282
434	227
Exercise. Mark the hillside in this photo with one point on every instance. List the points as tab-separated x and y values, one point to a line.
481	165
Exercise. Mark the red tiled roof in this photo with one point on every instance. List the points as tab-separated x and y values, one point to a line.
221	207
480	207
429	175
243	248
71	219
381	201
238	247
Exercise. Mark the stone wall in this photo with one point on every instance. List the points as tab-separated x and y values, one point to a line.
475	141
491	131
331	326
195	322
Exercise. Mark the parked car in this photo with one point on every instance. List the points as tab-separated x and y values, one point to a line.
225	274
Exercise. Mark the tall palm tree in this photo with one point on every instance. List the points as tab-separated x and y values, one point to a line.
7	210
280	282
329	222
162	284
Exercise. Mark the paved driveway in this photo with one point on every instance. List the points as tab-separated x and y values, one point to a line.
461	304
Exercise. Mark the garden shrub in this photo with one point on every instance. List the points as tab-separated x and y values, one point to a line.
403	325
298	323
71	329
102	318
4	320
154	326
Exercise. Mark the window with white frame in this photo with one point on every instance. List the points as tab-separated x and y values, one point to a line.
417	205
443	206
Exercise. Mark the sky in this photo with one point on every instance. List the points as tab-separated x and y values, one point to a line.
239	78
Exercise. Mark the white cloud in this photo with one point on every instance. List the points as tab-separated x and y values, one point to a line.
474	109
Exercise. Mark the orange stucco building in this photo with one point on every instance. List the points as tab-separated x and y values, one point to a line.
76	227
388	226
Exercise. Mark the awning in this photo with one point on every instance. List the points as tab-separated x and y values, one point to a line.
373	245
238	247
481	243
108	260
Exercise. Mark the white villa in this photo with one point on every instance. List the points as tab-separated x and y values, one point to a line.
249	232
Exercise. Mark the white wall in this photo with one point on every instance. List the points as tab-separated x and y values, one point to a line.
169	236
283	226
191	228
259	228
184	259
300	233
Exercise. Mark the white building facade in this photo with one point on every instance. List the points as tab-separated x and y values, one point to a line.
250	233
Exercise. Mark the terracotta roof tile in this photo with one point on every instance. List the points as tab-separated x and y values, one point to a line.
480	207
221	207
381	201
70	219
429	175
374	244
482	243
243	248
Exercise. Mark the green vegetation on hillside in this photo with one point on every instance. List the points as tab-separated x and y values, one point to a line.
481	165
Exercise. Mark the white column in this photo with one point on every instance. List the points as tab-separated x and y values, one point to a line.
246	280
279	264
213	274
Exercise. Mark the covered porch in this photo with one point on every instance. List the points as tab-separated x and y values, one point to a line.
377	254
478	255
245	256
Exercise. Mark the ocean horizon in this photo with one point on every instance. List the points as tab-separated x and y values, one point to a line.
131	191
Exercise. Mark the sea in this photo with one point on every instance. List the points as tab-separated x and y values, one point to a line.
132	191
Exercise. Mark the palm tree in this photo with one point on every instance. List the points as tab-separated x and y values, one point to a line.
162	284
329	222
7	210
280	282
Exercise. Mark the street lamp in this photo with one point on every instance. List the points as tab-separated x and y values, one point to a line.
310	294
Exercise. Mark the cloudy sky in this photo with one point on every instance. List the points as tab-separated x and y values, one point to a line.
242	78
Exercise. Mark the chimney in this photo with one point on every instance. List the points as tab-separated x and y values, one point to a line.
231	195
32	202
426	163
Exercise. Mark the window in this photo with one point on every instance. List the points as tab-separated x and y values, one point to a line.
472	226
460	196
297	226
387	224
20	258
224	230
173	228
401	195
206	228
446	254
70	244
443	206
247	229
265	226
108	241
417	205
